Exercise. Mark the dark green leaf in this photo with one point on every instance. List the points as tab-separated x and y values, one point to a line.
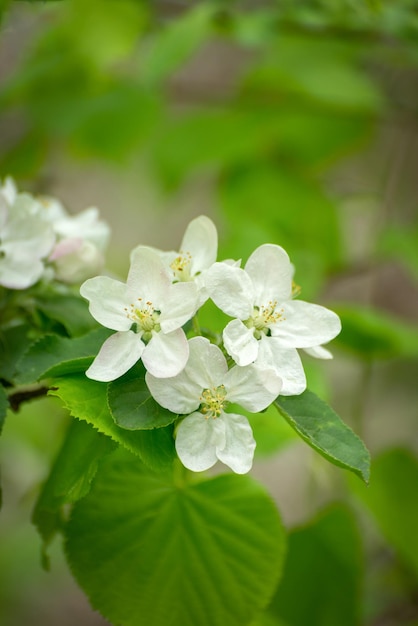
69	310
132	405
4	404
87	400
14	340
150	551
391	497
322	578
53	355
325	432
70	477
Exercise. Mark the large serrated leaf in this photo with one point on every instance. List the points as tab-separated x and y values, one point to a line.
150	551
70	477
87	400
132	405
53	355
324	431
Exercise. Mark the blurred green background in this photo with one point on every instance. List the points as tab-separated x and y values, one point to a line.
290	122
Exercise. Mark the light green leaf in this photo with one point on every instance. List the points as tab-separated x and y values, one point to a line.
322	578
178	40
87	400
150	551
391	498
132	405
53	355
373	334
70	477
318	425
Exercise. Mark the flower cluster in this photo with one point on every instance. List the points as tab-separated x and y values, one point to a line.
40	240
254	361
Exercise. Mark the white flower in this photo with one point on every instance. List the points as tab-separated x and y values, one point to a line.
269	325
198	251
147	312
25	239
203	391
81	241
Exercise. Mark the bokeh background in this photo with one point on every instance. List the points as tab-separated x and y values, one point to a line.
290	122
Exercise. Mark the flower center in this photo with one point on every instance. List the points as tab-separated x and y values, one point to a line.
144	317
263	317
181	266
213	401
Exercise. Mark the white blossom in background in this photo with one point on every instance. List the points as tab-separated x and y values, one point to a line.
198	252
25	238
269	325
81	240
203	391
147	312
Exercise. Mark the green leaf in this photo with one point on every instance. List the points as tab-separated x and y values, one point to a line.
69	310
70	477
318	425
391	498
4	405
373	334
176	43
87	400
132	405
150	551
53	355
322	578
14	341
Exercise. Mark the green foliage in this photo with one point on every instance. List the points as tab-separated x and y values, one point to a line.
3	406
70	478
145	548
373	334
390	499
52	355
322	578
132	405
318	425
87	400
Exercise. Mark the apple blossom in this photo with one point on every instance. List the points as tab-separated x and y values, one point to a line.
203	391
147	312
269	325
198	251
25	238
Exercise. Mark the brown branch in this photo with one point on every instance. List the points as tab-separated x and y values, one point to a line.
18	397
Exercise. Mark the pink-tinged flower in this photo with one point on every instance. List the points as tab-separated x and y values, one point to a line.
269	324
203	391
147	312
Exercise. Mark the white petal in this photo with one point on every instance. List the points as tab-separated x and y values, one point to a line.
166	355
306	325
201	241
197	440
238	451
117	355
19	272
252	388
318	352
231	289
240	343
271	272
147	277
178	394
179	306
207	365
108	299
286	362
